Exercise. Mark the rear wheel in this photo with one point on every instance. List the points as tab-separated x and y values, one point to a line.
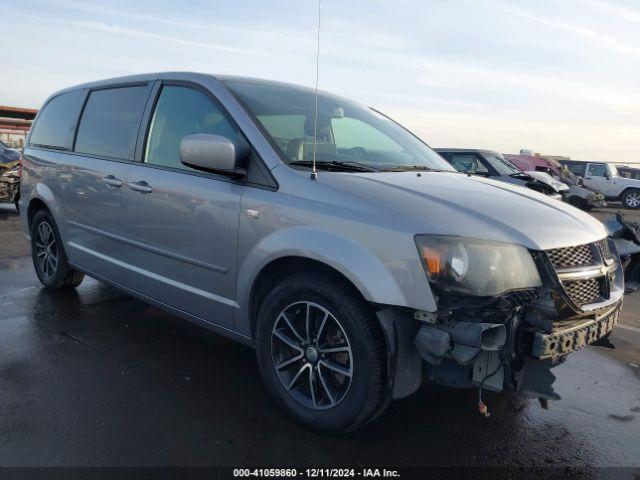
631	199
49	257
321	352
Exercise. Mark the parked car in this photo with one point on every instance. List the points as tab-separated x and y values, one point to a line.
628	172
8	155
9	175
532	163
10	183
575	193
488	163
604	177
354	280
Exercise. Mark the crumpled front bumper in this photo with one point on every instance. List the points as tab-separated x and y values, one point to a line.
571	335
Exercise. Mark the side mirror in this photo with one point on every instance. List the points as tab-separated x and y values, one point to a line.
213	153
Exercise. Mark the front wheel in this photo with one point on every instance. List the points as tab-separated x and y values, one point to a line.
49	257
631	199
322	353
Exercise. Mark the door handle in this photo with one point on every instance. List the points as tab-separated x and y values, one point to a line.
112	181
141	187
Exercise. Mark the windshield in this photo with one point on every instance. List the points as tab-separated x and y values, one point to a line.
347	133
501	164
3	145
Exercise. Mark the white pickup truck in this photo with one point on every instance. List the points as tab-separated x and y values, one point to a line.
604	177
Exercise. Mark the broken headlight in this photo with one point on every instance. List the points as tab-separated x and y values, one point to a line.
476	267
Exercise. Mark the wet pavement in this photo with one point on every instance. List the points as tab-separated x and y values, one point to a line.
94	377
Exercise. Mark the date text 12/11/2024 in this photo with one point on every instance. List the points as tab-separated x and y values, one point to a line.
316	473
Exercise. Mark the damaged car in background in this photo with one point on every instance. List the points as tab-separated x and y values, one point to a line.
9	175
352	256
626	237
488	163
576	192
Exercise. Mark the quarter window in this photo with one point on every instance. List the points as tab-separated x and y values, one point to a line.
110	121
182	111
57	121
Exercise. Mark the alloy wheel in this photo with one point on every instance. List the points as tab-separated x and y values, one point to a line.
46	250
312	355
633	199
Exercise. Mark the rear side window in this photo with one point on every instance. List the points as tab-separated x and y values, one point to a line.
57	121
110	120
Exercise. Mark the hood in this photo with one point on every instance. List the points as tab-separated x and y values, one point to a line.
447	203
544	177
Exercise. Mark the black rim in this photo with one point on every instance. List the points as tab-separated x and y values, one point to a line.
46	250
312	355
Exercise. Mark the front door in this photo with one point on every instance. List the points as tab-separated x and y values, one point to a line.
597	177
182	224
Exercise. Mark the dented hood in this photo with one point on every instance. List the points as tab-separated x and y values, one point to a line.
457	204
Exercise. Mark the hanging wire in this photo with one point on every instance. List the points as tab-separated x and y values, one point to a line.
314	173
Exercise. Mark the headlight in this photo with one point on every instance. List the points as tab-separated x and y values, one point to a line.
476	267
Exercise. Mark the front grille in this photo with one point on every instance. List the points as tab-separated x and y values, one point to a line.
603	246
579	256
583	292
521	296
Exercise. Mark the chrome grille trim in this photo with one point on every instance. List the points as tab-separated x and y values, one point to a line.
583	292
584	272
567	257
603	247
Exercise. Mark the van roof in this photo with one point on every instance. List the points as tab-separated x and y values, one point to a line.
182	75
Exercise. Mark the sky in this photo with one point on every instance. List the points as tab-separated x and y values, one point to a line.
560	77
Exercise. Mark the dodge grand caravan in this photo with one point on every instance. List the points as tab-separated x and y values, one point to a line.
354	282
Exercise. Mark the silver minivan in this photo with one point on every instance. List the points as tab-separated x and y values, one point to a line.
354	281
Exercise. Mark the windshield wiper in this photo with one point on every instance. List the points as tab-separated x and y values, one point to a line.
408	168
355	166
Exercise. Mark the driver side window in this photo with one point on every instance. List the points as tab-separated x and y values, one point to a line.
182	111
467	163
597	170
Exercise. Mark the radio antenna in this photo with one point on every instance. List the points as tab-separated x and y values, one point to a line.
314	173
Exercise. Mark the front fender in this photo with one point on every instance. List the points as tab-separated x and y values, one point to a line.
378	281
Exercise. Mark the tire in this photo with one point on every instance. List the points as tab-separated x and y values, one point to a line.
340	403
580	203
49	258
631	199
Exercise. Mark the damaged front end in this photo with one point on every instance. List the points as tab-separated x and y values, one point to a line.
9	182
510	338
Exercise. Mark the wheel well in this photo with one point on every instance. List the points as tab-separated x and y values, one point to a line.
275	272
35	205
627	190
